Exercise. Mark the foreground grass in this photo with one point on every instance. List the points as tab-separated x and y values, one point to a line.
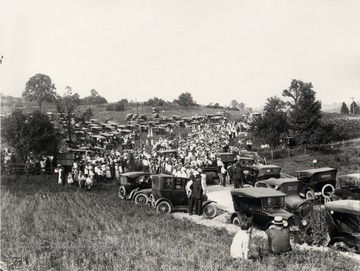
49	227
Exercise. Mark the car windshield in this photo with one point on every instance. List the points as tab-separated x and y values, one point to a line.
274	202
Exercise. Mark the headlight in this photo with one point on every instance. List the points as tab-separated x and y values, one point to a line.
285	223
304	223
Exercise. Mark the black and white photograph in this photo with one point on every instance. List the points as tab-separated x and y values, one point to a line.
168	135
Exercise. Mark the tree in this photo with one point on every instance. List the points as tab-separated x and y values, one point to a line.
185	99
305	111
67	107
234	104
272	126
94	98
39	88
33	133
344	109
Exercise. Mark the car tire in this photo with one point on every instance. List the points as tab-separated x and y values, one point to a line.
122	192
141	199
310	194
164	207
210	211
341	246
323	192
239	220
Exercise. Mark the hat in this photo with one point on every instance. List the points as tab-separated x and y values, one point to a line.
58	165
278	220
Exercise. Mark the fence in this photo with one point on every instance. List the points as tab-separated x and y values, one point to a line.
287	152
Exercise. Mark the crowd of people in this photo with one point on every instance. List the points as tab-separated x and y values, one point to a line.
199	149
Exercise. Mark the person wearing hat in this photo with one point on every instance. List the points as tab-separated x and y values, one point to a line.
197	192
278	236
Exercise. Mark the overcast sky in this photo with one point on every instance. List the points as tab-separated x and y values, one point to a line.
217	50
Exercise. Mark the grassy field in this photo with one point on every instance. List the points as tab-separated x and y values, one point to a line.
45	226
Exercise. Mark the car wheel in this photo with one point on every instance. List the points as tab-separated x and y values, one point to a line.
210	211
310	194
141	199
341	246
327	188
122	192
163	207
239	220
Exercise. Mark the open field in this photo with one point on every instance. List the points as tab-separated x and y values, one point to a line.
50	227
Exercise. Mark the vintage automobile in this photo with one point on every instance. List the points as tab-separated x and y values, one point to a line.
168	194
260	205
343	220
261	172
131	183
349	188
316	182
302	209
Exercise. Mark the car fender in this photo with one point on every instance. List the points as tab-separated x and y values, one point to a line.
163	199
346	239
207	202
133	193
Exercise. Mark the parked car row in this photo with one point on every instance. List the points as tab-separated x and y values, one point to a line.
165	193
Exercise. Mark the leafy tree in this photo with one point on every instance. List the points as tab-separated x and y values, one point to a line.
32	133
94	98
344	109
39	88
67	107
234	104
155	102
185	99
272	126
305	111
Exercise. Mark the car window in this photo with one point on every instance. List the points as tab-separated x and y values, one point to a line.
168	183
179	184
276	202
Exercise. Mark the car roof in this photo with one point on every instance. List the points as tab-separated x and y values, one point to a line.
168	175
350	177
279	181
344	206
133	174
264	166
315	170
257	192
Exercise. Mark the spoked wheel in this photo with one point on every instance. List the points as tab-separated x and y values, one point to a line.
239	220
141	199
122	192
210	211
310	194
341	246
163	207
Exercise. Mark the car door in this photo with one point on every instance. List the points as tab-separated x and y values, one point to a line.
179	194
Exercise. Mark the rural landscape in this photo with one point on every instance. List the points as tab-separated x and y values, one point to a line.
157	135
47	226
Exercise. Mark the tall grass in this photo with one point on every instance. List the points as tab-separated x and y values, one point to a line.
49	227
